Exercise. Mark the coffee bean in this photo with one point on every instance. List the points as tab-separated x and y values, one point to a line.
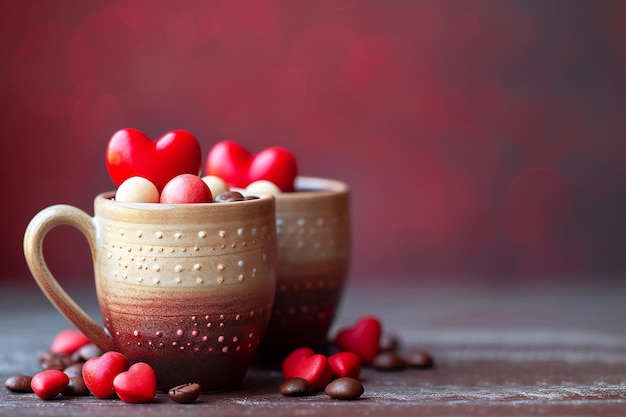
76	387
68	360
389	361
389	342
185	394
296	387
18	383
75	369
228	197
89	351
345	388
44	355
56	361
419	359
53	363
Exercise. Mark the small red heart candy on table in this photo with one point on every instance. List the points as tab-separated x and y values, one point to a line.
362	339
99	373
137	385
314	369
238	167
68	341
50	383
345	364
130	153
291	360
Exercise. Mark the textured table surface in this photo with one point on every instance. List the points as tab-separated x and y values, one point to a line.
498	351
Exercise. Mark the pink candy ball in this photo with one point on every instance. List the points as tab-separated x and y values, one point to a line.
186	188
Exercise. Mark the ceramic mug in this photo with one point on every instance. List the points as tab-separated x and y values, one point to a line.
186	288
314	247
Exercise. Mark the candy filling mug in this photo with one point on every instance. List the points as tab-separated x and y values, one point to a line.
313	239
186	288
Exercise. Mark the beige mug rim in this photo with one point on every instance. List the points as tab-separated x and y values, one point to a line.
314	186
108	197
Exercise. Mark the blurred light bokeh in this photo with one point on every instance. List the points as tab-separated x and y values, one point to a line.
483	140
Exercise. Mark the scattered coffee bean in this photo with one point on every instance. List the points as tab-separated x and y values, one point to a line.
44	355
345	388
18	383
75	369
56	361
89	351
296	387
53	363
76	387
389	342
389	361
419	359
228	197
185	394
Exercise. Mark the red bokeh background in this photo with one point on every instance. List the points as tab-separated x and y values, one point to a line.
482	140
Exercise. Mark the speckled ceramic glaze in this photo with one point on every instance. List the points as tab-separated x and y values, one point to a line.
313	239
187	288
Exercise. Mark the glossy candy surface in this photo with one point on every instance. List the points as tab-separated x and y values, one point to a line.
137	190
99	373
363	339
131	153
234	164
289	363
345	364
137	385
315	370
50	383
68	341
186	189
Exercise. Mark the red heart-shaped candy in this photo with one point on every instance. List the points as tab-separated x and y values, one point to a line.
238	167
362	339
99	372
131	153
137	385
50	383
314	369
291	360
345	364
68	341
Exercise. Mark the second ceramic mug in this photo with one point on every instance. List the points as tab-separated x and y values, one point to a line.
186	288
314	248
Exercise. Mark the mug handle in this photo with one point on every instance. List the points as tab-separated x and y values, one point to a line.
39	226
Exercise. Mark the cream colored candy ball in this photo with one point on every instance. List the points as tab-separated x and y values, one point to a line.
263	187
216	185
137	190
